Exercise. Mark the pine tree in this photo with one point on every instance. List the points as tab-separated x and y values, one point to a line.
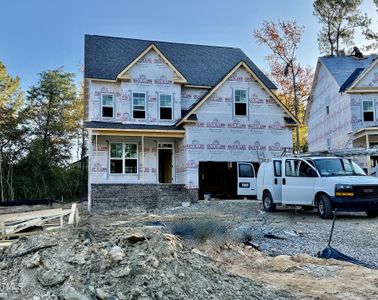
55	117
339	18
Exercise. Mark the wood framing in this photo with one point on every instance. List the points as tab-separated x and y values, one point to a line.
211	92
179	78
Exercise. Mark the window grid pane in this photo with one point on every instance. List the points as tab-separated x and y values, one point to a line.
241	96
368	105
107	100
139	100
165	100
116	150
131	151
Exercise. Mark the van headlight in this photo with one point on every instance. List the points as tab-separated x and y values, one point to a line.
344	190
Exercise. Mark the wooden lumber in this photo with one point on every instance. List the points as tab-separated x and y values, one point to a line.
71	218
24	225
18	234
12	223
4	244
31	215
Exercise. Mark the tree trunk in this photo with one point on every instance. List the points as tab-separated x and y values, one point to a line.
1	177
296	106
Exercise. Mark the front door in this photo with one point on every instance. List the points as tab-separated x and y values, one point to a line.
165	165
246	179
298	182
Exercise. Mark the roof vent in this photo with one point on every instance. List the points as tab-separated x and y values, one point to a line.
356	52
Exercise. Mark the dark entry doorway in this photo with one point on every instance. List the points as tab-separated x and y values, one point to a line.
165	165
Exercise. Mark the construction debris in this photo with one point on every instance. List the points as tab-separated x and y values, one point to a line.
14	225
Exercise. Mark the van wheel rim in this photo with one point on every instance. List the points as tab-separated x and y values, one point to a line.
321	207
266	201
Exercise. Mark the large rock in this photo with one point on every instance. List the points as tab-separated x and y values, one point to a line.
50	277
116	254
69	293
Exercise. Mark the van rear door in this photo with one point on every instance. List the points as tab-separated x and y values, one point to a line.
246	179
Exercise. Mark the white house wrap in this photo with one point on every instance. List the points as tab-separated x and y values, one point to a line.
156	112
343	106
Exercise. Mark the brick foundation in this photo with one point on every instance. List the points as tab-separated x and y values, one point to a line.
148	196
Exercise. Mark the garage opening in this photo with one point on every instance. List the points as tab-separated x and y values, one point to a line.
218	178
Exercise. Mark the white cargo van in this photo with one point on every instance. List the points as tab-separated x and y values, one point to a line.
322	182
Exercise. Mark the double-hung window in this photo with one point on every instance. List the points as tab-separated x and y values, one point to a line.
107	105
139	105
131	158
165	107
240	102
116	158
123	158
368	110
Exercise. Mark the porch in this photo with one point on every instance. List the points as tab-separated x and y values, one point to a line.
367	138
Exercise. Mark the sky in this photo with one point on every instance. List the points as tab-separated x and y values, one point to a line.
39	35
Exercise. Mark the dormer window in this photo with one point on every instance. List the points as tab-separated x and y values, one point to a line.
368	111
139	105
165	107
240	103
107	105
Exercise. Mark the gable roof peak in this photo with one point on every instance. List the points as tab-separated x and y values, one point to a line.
202	65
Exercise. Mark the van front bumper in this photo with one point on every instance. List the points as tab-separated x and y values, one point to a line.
354	203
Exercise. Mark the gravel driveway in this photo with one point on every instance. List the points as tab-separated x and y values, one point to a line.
299	231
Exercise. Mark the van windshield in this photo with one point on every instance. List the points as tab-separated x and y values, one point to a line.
338	167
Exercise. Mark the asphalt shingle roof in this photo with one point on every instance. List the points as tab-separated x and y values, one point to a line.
342	67
118	125
105	57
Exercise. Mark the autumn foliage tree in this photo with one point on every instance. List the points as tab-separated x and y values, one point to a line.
293	81
12	130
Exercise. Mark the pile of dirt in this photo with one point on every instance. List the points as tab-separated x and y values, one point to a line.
118	263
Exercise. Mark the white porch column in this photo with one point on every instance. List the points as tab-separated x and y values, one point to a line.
367	147
143	159
90	156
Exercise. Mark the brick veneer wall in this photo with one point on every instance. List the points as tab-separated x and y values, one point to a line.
149	196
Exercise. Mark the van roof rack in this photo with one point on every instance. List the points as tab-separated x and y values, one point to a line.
340	152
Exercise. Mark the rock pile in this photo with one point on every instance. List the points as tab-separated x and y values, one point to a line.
117	263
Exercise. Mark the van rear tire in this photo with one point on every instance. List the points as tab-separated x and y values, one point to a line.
268	203
324	207
372	213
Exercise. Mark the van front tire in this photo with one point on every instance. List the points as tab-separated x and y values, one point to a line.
268	203
324	207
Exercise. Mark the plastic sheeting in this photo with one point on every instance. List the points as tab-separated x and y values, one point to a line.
331	253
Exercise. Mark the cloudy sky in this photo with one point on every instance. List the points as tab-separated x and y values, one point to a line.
37	35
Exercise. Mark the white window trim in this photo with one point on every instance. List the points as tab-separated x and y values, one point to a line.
112	106
171	107
145	106
246	102
362	109
123	158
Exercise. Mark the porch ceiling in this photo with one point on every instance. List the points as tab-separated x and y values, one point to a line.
135	132
365	131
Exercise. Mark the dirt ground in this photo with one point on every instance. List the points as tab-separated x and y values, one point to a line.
149	255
